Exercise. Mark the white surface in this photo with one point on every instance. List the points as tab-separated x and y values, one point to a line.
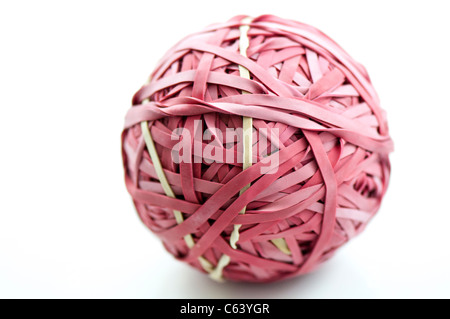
67	74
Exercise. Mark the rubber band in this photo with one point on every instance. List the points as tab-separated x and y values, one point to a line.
207	266
247	127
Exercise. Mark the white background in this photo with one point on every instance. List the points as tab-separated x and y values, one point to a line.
68	70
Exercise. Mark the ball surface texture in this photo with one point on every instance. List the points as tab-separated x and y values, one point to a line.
257	149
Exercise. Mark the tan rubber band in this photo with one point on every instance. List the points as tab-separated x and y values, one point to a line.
207	266
247	126
247	122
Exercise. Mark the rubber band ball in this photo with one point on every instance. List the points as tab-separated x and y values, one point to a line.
257	148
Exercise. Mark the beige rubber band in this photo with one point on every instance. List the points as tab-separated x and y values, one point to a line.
281	244
247	124
207	266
